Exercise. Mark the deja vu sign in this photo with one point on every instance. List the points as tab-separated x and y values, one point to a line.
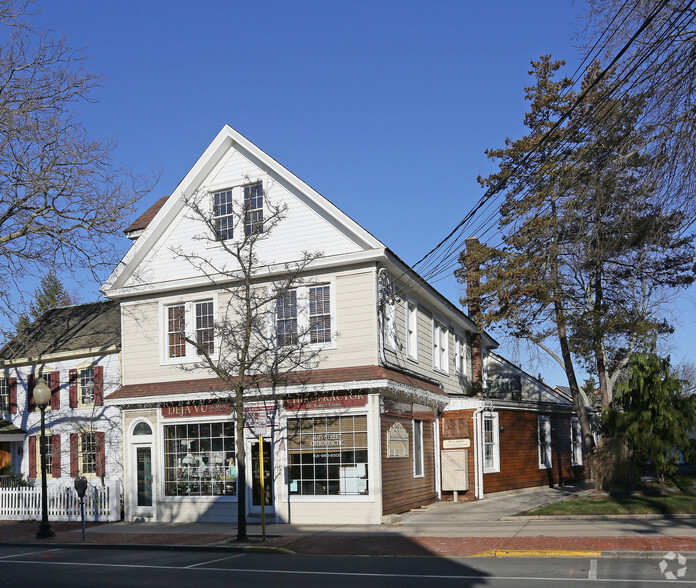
195	410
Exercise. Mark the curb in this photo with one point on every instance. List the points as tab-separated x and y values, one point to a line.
538	553
608	517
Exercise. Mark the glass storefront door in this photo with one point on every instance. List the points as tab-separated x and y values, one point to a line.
255	502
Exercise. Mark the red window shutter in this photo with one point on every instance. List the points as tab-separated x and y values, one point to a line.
32	456
72	386
101	453
55	390
74	455
98	385
55	456
31	405
12	385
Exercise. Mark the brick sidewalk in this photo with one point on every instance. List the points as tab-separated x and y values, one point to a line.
337	544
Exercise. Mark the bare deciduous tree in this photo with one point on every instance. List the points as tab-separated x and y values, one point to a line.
256	340
63	199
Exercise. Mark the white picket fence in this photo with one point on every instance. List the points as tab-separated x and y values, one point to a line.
102	503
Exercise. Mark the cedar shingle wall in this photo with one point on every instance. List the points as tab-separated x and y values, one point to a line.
400	490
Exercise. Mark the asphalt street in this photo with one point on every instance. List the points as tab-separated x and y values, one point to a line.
77	567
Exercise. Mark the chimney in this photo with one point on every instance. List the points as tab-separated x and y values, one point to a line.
474	308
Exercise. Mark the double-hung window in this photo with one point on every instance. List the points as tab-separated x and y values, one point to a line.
575	442
491	443
440	346
205	327
88	454
4	395
86	386
253	209
286	318
304	315
189	330
223	215
460	355
320	314
544	436
412	330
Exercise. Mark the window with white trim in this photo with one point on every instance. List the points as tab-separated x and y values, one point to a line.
320	314
4	395
304	315
87	455
418	457
253	209
194	321
199	459
460	354
223	215
86	387
286	318
544	440
412	330
575	442
328	455
49	455
491	443
440	347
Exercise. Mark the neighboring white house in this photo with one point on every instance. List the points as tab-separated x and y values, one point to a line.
76	350
357	437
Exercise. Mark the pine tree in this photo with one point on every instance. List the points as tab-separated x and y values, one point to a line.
49	294
653	414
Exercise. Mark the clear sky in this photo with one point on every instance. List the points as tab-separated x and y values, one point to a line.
384	107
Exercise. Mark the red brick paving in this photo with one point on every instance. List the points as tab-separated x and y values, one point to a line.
374	544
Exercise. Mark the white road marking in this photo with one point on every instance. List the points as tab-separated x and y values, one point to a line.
29	553
205	563
483	576
593	570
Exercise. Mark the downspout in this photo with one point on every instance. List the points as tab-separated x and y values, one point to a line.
478	454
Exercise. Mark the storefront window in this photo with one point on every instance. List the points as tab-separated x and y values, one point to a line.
328	455
199	459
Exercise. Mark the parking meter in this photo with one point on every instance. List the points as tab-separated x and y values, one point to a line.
81	488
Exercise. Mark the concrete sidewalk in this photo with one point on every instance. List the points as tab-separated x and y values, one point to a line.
482	528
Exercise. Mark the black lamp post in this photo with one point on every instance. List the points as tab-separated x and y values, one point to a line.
42	396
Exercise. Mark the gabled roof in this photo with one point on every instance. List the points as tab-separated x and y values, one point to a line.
141	223
96	325
227	140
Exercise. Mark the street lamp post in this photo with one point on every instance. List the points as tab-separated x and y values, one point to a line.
42	396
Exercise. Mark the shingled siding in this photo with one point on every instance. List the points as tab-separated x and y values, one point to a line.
400	490
519	453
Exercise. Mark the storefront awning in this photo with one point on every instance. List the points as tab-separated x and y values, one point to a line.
357	378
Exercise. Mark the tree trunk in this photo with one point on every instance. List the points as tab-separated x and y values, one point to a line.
587	438
241	465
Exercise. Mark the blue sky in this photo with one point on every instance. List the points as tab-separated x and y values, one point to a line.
384	107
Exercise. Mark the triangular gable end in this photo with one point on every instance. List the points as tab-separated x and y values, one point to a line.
229	160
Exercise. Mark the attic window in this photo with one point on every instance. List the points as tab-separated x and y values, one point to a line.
253	209
223	215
